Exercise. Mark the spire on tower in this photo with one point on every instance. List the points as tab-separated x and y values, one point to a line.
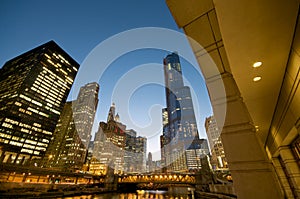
111	113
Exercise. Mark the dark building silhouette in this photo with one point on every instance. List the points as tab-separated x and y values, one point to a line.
33	89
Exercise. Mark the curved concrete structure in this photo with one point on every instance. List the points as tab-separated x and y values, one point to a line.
260	130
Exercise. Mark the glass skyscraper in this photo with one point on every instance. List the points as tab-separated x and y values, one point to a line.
68	148
84	110
180	133
33	89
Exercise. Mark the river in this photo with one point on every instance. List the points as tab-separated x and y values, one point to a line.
141	195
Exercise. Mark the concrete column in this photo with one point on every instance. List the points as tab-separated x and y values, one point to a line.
291	168
252	172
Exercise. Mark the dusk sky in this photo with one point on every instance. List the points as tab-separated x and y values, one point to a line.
91	32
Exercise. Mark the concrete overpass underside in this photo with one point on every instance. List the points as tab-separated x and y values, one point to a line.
257	108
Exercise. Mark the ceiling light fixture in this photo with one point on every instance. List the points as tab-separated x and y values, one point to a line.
257	64
257	78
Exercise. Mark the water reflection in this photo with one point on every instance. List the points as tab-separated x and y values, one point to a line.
139	195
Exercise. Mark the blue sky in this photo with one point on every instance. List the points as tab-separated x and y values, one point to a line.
80	26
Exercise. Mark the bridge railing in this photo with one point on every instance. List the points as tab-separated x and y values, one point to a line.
158	178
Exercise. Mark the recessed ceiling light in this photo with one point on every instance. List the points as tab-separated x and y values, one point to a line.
257	64
256	128
257	78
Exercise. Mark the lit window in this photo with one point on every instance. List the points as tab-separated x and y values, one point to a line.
18	103
37	124
7	125
32	109
47	56
15	143
43	114
47	132
26	150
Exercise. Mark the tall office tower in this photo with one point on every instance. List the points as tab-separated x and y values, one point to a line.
165	155
130	158
66	150
109	144
180	133
150	163
135	152
33	89
84	109
140	152
218	159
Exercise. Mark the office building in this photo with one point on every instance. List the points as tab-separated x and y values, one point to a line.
248	52
119	148
109	143
180	133
33	89
66	151
129	156
218	159
140	154
84	109
135	152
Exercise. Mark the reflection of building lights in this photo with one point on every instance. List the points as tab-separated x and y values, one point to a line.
257	64
257	78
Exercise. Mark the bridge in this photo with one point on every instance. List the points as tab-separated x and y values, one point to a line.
158	179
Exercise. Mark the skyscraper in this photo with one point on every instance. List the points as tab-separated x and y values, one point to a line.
84	109
33	89
180	133
109	143
66	150
218	159
116	147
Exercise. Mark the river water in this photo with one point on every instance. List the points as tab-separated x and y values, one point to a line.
141	195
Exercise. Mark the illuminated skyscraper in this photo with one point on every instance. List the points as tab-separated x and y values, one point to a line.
109	143
118	148
84	109
33	89
218	159
66	151
180	138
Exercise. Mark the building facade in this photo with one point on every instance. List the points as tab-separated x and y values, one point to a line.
66	151
135	152
249	55
218	159
109	143
119	148
84	109
33	89
180	133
